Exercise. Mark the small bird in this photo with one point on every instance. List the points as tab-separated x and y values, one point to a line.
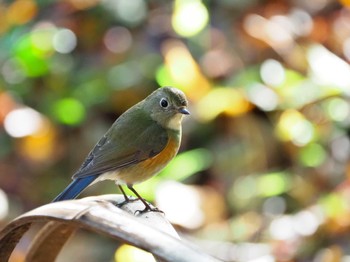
139	144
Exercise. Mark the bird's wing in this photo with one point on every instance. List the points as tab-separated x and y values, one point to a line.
123	145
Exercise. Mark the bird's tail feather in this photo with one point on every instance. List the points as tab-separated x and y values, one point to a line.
75	188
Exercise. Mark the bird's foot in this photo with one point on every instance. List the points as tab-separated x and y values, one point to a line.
126	201
148	209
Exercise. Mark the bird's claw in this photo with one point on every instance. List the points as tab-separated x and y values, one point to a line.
148	209
126	201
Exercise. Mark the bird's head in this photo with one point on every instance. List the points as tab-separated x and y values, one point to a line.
167	105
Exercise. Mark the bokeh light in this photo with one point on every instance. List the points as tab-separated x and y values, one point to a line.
118	39
241	186
274	206
12	72
4	205
340	148
294	127
21	11
273	184
23	122
263	97
329	69
282	228
290	227
32	50
131	13
312	155
129	253
306	223
64	41
338	109
40	147
185	209
69	111
222	100
190	17
181	70
272	73
41	39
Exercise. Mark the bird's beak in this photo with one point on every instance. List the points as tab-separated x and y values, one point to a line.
184	110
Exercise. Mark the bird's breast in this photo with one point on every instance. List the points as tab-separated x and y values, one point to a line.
158	162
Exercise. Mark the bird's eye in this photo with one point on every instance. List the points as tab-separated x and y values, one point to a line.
164	103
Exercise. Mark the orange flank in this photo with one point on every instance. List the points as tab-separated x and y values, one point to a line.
163	157
150	167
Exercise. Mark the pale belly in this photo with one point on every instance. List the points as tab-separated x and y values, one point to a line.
131	175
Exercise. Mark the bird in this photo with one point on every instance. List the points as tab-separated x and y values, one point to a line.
138	145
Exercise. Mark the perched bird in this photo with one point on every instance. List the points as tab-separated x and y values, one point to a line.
139	144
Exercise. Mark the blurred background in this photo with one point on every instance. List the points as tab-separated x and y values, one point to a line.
262	174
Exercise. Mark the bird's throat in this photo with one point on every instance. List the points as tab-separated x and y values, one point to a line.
175	122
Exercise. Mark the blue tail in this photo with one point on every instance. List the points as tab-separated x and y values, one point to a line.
75	188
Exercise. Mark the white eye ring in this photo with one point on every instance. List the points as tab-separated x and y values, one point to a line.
164	103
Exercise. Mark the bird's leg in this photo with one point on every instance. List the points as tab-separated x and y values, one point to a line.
147	206
123	192
127	199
